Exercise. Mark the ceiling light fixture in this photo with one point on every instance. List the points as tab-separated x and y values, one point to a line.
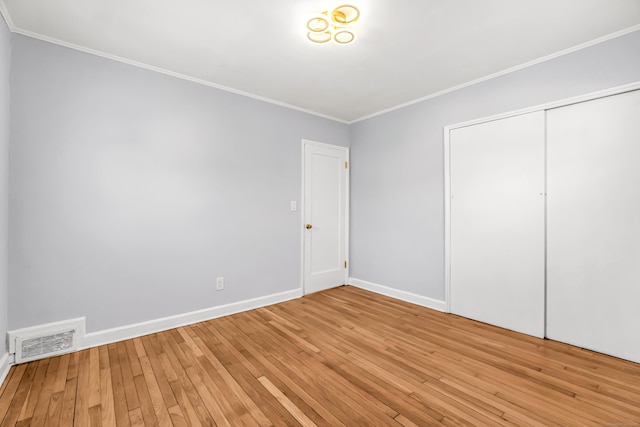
336	25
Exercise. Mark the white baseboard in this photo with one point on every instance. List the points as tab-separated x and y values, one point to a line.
398	294
5	364
107	336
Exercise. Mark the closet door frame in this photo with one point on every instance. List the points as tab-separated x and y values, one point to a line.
447	161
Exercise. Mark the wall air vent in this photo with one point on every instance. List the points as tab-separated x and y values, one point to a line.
46	340
32	348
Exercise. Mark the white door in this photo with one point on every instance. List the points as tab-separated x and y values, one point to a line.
497	225
325	201
593	266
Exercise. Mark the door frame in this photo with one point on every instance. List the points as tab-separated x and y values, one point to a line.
346	150
447	162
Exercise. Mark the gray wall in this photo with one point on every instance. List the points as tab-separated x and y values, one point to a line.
5	61
131	191
397	184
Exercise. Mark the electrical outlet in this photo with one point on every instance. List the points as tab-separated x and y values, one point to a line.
219	283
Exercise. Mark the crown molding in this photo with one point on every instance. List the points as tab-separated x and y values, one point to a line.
13	28
17	30
504	72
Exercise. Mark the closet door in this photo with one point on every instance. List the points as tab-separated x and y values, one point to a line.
593	270
497	222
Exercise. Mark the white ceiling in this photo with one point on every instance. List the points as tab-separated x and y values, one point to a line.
406	49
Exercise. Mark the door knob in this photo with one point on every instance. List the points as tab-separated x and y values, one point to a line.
309	226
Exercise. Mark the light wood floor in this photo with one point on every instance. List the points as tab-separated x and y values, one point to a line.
339	357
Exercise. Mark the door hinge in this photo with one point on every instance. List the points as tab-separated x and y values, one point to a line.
346	165
345	264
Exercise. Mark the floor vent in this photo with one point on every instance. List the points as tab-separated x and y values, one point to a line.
46	340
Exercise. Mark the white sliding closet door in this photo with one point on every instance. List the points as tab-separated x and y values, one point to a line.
497	222
593	270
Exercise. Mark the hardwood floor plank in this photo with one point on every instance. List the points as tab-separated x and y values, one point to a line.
187	339
246	373
158	373
289	406
4	385
107	405
82	396
238	392
54	410
412	409
94	377
67	412
155	394
177	417
193	400
10	387
146	406
208	401
368	408
135	418
61	374
125	364
342	357
198	376
230	406
132	355
189	413
191	397
120	408
95	416
404	422
139	347
42	406
72	372
285	379
35	388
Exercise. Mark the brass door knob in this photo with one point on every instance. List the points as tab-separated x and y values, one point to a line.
309	226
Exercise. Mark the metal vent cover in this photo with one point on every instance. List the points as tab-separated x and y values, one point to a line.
45	340
37	347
